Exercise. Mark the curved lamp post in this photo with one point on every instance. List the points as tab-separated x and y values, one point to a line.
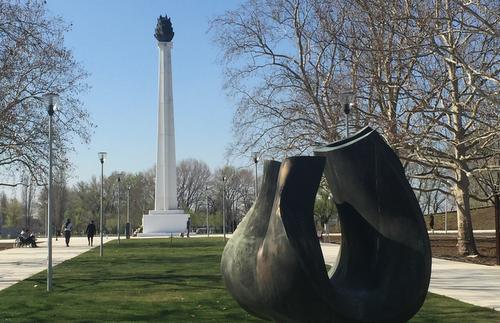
102	157
51	99
255	156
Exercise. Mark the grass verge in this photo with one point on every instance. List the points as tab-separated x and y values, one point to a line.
154	280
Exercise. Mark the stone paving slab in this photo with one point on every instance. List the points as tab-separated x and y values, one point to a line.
469	283
17	264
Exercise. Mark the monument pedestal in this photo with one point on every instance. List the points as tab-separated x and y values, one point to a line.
164	223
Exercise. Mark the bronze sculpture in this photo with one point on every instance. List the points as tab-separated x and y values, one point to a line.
383	270
164	31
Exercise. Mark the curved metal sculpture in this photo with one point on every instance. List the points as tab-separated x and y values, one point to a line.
272	262
238	262
384	267
273	265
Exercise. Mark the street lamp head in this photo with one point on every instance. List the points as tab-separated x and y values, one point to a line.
347	108
102	156
255	156
51	99
347	101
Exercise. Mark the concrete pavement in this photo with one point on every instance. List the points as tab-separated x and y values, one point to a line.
17	264
469	283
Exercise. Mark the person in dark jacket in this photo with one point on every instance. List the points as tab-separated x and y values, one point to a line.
188	226
90	231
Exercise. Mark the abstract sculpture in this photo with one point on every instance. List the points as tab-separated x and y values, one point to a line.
239	257
273	265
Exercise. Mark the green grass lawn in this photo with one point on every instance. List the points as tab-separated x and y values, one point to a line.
152	280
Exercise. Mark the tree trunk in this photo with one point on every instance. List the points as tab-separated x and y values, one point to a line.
466	244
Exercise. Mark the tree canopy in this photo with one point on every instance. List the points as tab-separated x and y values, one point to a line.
34	61
425	74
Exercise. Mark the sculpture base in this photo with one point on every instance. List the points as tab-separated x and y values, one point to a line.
164	223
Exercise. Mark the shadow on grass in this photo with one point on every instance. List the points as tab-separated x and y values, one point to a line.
138	281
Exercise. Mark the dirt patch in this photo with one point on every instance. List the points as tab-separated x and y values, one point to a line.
445	247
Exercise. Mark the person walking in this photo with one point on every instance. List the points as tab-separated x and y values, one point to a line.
68	227
90	231
188	225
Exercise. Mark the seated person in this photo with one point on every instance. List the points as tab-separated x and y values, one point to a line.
29	237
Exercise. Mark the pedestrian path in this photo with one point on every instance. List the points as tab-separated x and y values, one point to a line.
469	283
17	264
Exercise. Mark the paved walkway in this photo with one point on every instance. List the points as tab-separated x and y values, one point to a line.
17	264
470	283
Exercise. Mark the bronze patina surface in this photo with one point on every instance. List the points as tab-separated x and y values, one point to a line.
273	265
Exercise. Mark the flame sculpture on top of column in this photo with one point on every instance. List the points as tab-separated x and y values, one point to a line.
166	218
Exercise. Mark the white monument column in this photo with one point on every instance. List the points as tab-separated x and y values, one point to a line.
166	218
166	179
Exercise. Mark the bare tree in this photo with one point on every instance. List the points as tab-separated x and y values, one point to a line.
34	61
28	193
192	180
460	126
487	184
238	193
432	88
425	74
3	209
283	69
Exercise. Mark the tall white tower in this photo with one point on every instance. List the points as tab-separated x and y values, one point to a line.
166	187
166	218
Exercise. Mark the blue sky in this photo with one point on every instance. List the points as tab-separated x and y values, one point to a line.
114	42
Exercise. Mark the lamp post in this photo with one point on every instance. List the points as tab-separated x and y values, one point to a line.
102	157
256	160
208	229
118	211
28	198
127	225
51	100
497	221
223	210
446	215
347	100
